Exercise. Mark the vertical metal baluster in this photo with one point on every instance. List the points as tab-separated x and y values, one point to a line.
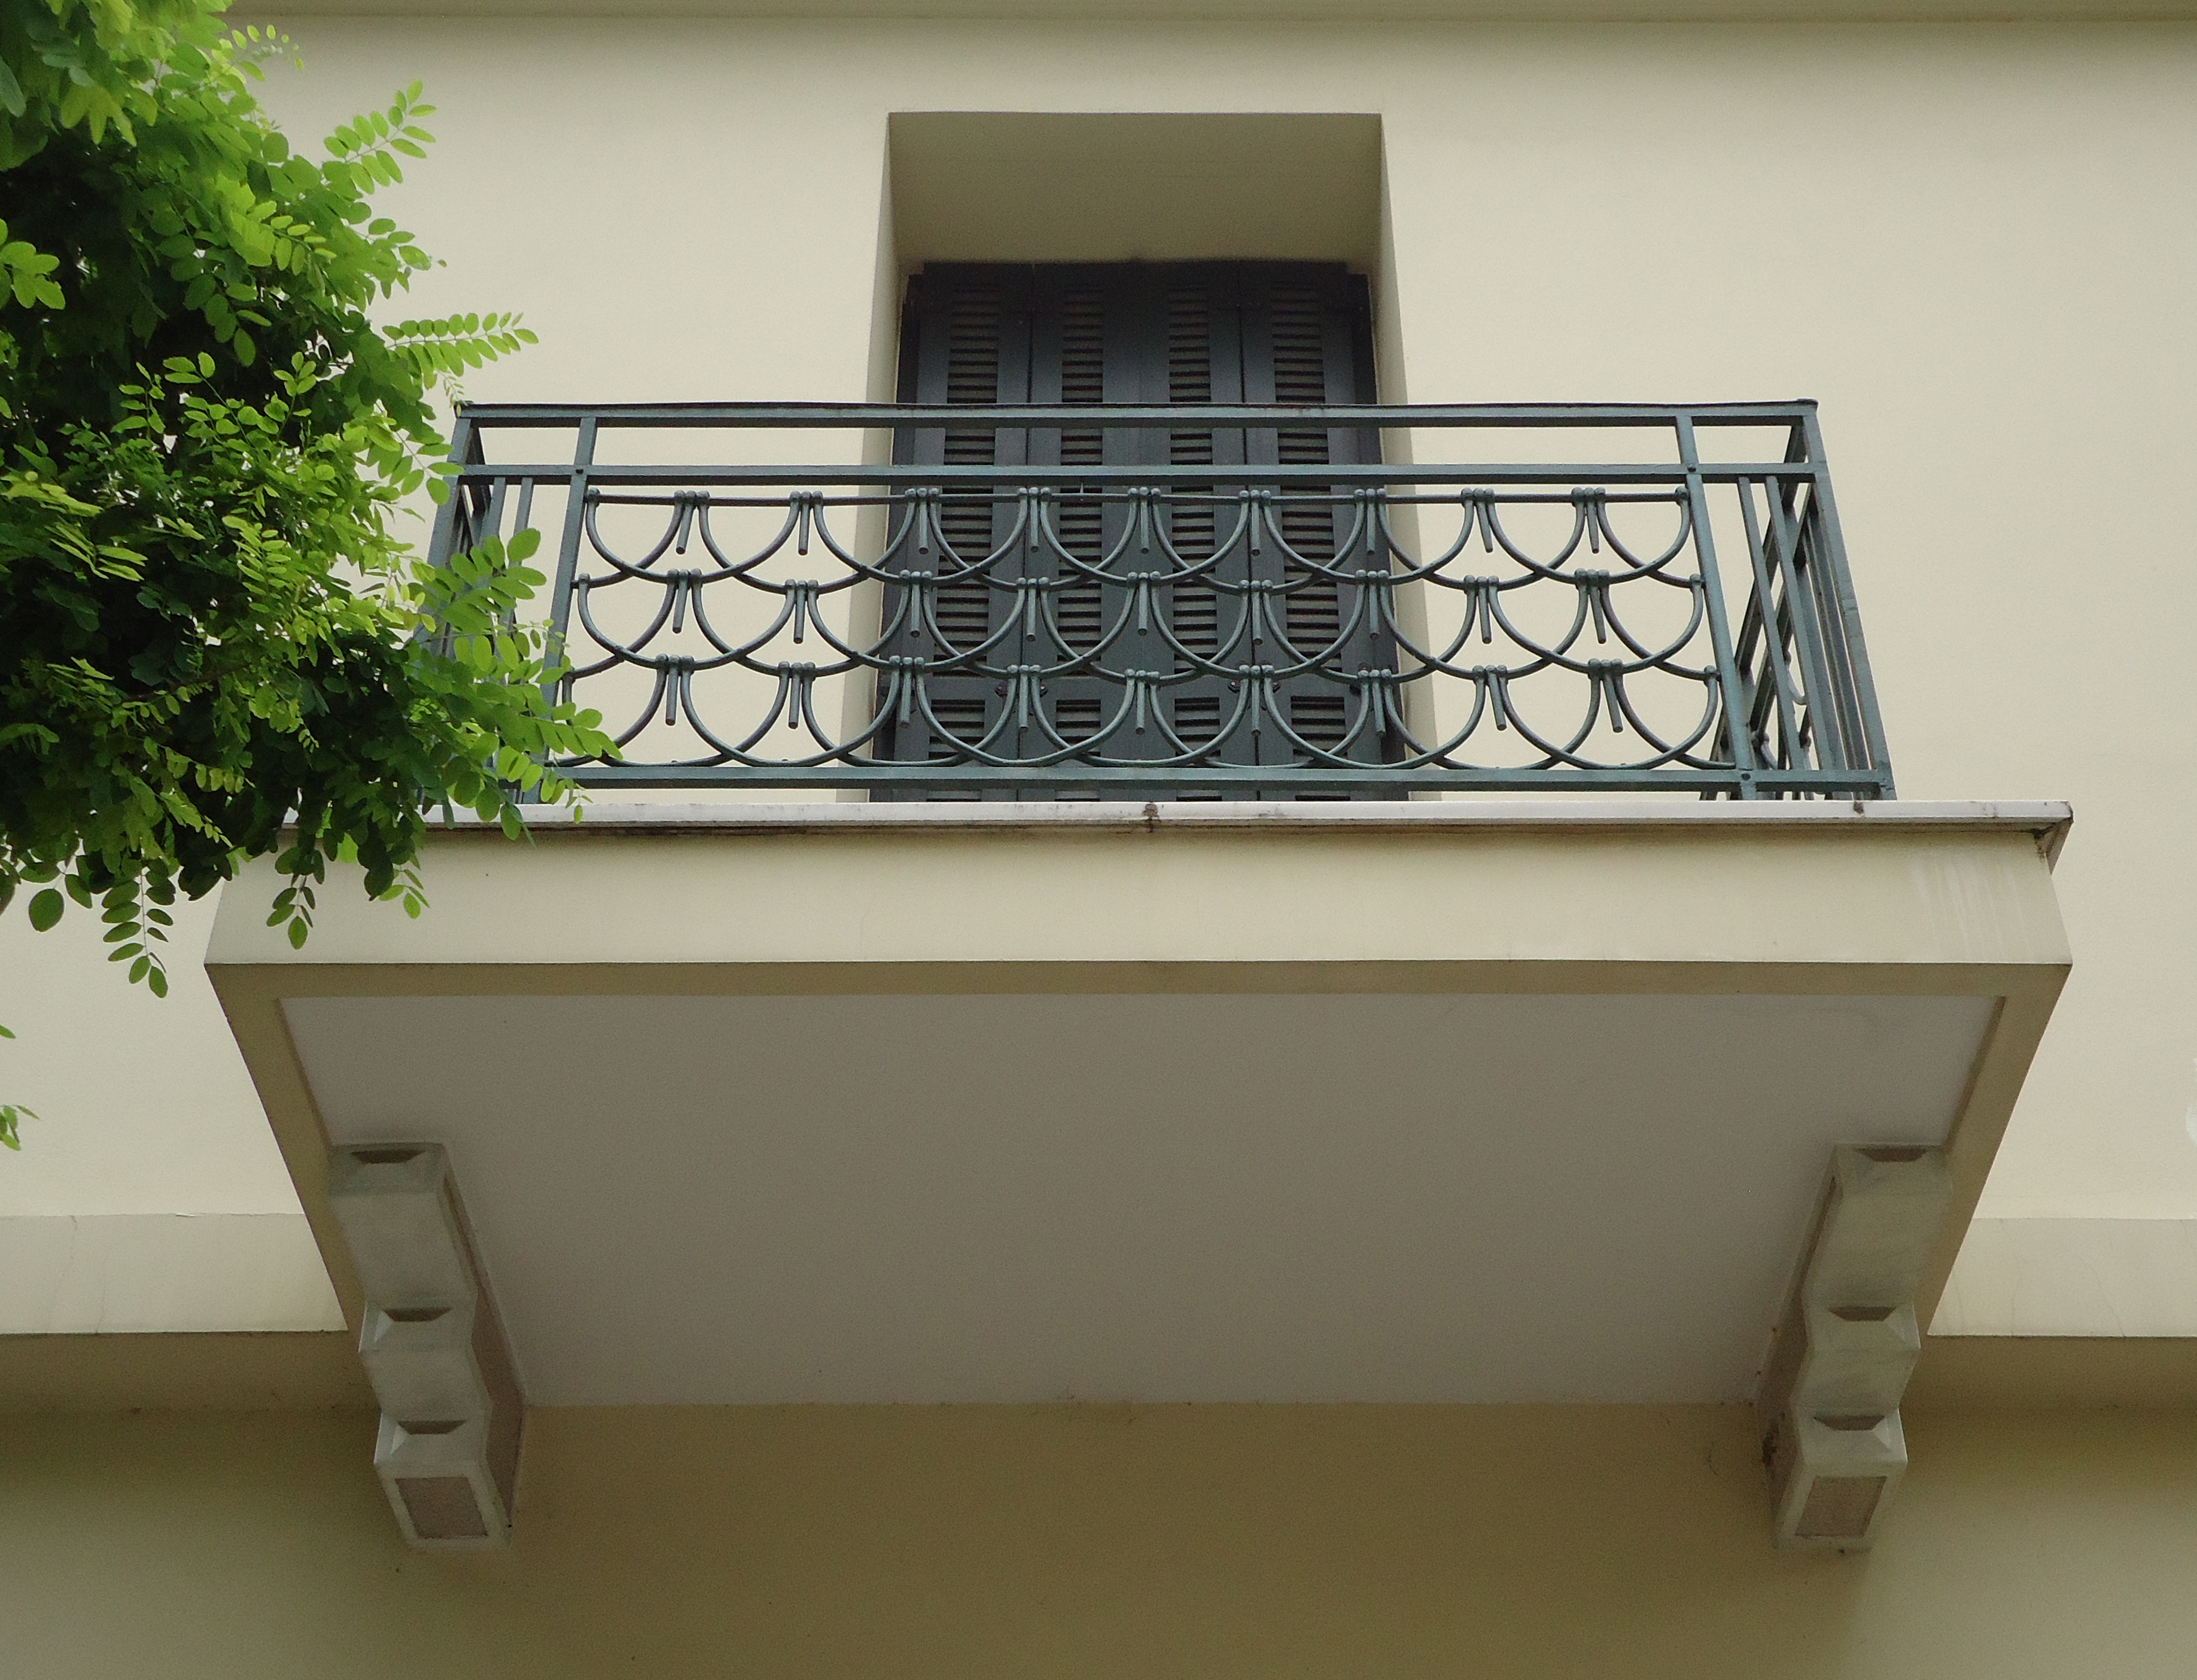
1747	646
1378	601
522	519
465	451
1735	696
455	519
1863	686
1854	749
1800	601
492	527
1773	633
568	545
499	492
568	548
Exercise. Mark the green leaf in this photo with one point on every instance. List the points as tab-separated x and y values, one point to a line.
45	909
298	933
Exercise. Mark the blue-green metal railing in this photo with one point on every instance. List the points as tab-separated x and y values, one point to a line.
745	622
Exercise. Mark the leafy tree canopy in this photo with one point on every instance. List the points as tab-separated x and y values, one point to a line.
211	629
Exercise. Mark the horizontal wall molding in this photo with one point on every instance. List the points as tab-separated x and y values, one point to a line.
2049	1373
104	1274
1263	11
296	1371
320	1370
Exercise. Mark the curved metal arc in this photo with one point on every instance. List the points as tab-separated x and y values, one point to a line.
676	530
1545	569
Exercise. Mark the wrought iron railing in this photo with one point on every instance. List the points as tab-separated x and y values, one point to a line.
1174	629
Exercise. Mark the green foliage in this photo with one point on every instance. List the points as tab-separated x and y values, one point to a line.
11	1114
218	644
81	63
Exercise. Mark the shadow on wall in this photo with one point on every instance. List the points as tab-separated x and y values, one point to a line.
980	1541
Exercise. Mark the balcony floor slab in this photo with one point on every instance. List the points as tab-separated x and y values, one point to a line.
1446	1101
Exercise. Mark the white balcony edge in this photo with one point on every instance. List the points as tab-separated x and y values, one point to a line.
2049	821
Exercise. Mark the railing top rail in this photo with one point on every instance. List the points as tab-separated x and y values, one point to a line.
1327	478
771	416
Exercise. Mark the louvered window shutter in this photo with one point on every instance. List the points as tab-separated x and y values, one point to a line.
1151	333
1307	339
965	338
1086	325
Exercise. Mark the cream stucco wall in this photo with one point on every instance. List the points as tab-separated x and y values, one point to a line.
1968	243
1048	1542
1974	244
147	1195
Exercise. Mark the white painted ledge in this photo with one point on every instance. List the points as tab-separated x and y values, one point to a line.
116	1273
2048	821
2073	1277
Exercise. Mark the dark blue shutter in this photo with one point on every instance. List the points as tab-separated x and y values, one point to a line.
1307	339
1151	333
965	338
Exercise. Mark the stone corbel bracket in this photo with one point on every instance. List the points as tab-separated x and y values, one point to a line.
1828	1411
433	1347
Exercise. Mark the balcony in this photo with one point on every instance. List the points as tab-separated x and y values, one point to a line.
1122	1023
1213	603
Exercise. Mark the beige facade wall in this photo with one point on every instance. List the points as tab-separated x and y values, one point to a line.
1974	244
1050	1543
148	1195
